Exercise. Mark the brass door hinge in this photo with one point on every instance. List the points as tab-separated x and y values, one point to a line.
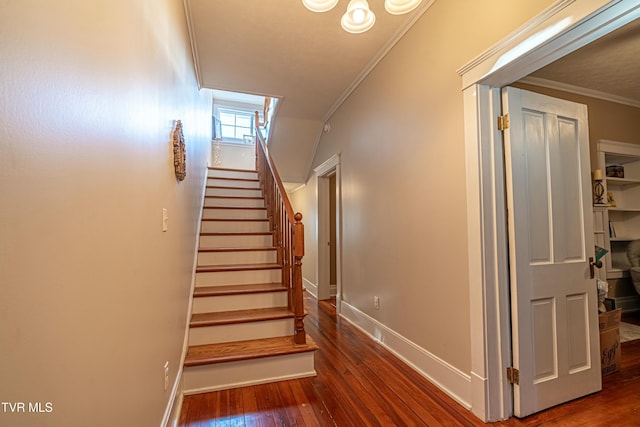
513	375
503	122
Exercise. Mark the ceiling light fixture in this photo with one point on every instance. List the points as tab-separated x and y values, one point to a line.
399	7
320	5
359	18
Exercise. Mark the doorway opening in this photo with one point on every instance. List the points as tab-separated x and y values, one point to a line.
574	24
333	234
329	273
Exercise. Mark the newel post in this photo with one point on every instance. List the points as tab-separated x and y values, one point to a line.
300	336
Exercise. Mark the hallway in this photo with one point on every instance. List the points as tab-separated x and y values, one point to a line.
360	383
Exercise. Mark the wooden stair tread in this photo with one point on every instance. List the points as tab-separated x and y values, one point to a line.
237	267
234	207
239	316
240	249
255	288
236	197
214	168
237	233
227	187
245	350
234	179
236	219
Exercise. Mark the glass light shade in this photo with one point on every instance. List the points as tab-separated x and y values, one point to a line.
399	7
319	5
358	18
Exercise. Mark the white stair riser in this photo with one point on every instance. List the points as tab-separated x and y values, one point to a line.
235	213
238	277
234	226
232	174
245	203
233	183
244	257
236	241
220	376
240	331
220	303
233	192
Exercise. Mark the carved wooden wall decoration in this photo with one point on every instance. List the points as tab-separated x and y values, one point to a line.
179	152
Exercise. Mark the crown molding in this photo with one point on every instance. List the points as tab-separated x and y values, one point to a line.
292	187
364	73
578	90
518	34
194	44
381	54
568	27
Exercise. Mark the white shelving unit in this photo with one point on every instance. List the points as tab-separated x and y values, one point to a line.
615	226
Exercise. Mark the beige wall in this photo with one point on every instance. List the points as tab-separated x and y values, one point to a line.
93	294
233	156
293	163
400	135
304	201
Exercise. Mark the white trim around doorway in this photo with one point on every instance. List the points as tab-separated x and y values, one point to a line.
330	167
564	27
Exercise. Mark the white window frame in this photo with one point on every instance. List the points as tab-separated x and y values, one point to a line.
238	110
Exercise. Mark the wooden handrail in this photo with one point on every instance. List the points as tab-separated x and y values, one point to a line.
272	168
287	230
265	113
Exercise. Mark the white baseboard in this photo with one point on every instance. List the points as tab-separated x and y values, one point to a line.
174	406
479	389
311	287
172	412
242	373
274	379
448	378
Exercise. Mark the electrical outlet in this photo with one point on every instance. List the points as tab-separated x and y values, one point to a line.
376	303
166	375
165	219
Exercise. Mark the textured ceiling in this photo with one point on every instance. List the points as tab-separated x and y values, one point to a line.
610	64
280	48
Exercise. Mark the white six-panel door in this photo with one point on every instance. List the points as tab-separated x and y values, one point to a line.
553	298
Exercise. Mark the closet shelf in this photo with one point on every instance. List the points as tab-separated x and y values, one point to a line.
617	209
617	273
622	181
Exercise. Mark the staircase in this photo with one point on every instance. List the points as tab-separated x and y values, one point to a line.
243	328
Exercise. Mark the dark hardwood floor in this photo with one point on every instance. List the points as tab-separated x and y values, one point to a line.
359	383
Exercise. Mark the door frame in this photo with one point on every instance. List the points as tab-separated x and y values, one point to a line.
562	28
330	167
